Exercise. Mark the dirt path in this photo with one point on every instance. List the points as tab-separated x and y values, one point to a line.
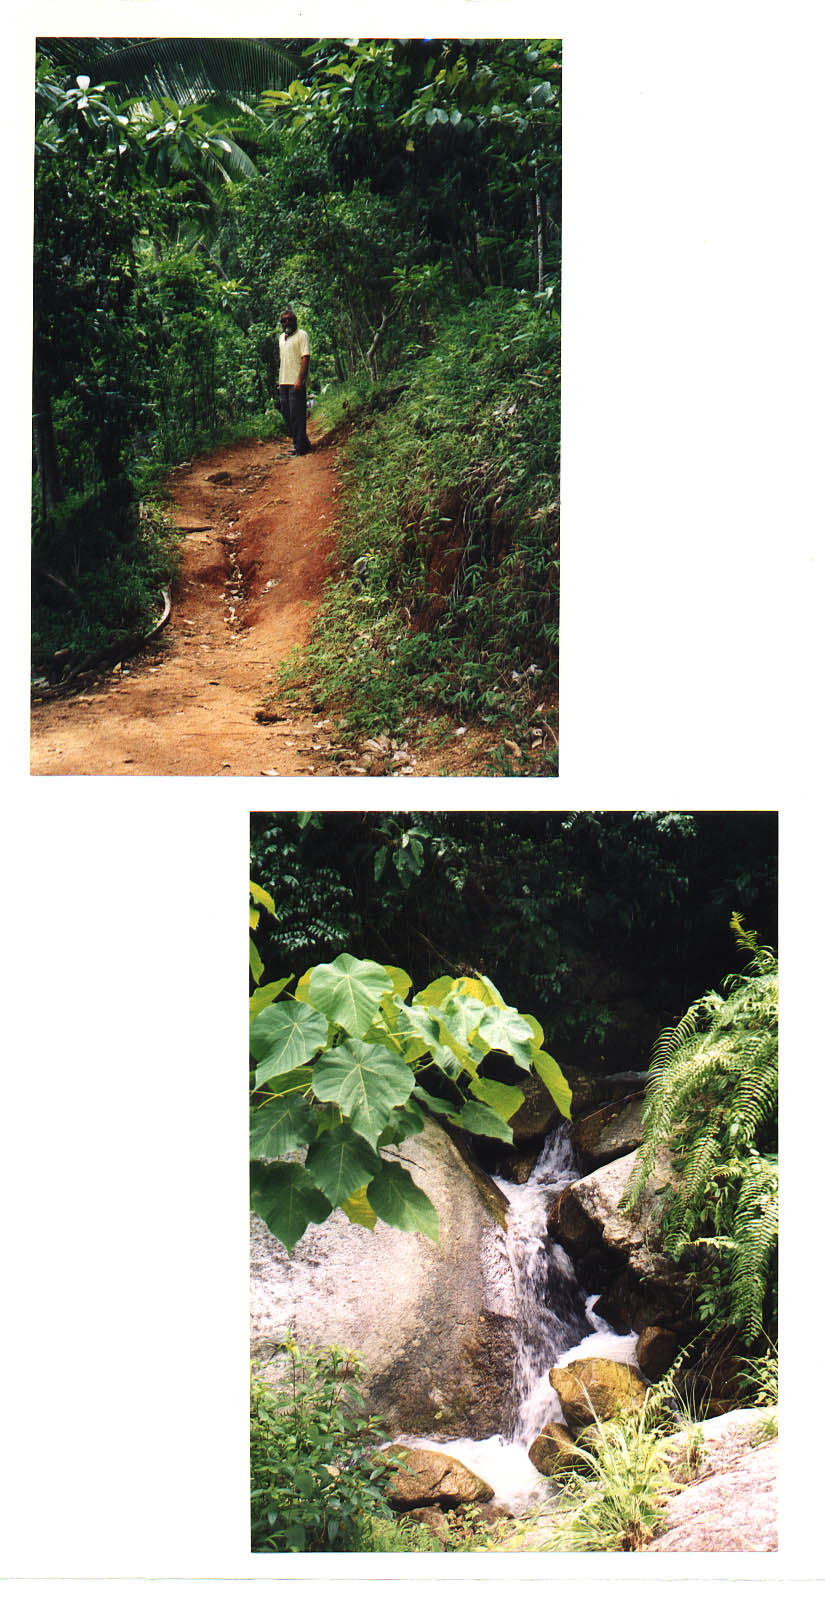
262	525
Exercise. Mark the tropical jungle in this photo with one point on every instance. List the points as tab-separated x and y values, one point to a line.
514	1181
389	603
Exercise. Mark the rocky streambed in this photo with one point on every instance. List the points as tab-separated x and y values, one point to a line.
544	1304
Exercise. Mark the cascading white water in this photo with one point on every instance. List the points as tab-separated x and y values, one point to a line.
556	1324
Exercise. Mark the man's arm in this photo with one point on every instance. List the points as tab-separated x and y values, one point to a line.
302	375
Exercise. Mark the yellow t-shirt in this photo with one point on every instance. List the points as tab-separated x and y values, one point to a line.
292	349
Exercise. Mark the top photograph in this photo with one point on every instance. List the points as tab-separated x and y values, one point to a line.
296	407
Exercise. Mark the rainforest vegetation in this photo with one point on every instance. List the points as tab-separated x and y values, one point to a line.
404	197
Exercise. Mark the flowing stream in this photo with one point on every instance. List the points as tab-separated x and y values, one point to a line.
556	1324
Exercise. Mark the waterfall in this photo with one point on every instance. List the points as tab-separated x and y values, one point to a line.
551	1309
556	1323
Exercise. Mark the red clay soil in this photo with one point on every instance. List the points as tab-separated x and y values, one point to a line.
253	568
201	698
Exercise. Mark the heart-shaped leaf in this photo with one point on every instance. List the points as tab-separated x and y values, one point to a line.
348	991
367	1081
284	1036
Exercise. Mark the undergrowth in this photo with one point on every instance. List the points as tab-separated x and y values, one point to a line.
446	598
95	585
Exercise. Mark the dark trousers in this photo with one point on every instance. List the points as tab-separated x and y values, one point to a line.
294	412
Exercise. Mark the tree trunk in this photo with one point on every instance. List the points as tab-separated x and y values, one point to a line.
372	368
539	242
45	447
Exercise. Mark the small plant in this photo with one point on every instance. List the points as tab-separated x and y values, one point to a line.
759	1378
316	1470
614	1499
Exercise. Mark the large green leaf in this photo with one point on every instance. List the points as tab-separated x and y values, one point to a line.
439	1107
279	1127
348	991
475	1118
401	981
435	993
284	1036
554	1080
367	1081
504	1029
405	1122
340	1163
397	1200
503	1098
266	995
287	1200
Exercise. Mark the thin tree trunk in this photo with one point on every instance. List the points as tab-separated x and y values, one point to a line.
45	447
372	368
539	241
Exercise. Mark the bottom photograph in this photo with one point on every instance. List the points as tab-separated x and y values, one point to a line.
513	1181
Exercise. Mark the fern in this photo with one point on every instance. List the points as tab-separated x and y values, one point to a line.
711	1103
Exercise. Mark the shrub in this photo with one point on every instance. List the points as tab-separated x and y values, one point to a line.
315	1468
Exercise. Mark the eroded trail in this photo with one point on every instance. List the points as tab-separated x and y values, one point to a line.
262	531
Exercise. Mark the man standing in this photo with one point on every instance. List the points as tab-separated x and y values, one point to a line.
292	380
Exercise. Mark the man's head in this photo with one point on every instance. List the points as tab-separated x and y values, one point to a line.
289	321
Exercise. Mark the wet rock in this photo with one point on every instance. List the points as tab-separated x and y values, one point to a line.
622	1249
595	1387
609	1132
427	1477
656	1351
553	1449
537	1116
517	1166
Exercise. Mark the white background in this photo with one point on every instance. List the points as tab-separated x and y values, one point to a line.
691	638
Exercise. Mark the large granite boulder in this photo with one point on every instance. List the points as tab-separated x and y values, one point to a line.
730	1504
596	1388
434	1323
622	1249
427	1477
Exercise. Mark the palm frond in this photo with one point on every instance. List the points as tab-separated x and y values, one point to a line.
189	71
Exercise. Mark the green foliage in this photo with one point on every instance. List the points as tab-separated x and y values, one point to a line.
759	1378
712	1100
449	598
344	1073
315	1465
111	592
613	1497
573	911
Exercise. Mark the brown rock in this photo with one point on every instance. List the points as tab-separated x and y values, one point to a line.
656	1351
427	1477
553	1450
609	1132
600	1387
539	1113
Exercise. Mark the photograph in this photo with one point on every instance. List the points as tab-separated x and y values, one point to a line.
255	253
514	1181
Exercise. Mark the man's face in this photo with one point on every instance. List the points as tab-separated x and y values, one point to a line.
289	324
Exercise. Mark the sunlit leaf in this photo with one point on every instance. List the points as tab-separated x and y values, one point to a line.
397	1200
